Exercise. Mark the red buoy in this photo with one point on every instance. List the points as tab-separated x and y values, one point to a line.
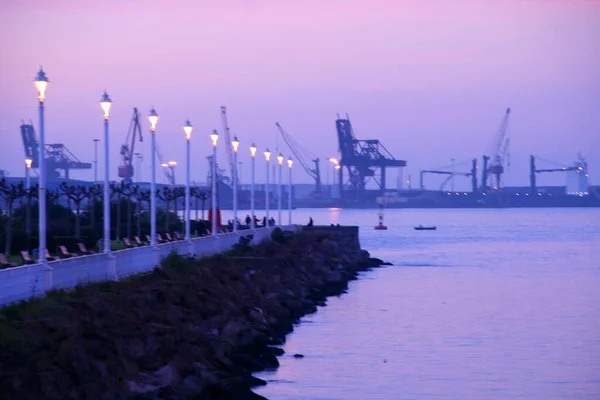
380	226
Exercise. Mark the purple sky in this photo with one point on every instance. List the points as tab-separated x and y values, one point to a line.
430	79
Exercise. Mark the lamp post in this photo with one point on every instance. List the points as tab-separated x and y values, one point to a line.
41	83
267	158
253	155
335	164
214	137
290	162
235	144
280	162
187	128
28	163
153	118
96	160
106	103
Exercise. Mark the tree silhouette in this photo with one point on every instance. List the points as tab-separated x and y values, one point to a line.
76	194
94	192
10	193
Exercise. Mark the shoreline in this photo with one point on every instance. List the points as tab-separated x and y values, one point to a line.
191	329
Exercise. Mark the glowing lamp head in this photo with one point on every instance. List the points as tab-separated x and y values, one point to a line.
280	159
105	103
187	128
214	137
267	155
41	83
235	144
172	163
164	165
333	161
253	150
290	163
153	118
28	162
337	166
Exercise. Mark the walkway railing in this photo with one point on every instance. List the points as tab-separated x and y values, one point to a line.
27	281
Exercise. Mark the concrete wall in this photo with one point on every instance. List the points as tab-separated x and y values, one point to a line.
25	282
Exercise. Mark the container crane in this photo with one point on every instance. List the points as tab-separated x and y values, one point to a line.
500	154
228	147
362	159
301	155
57	155
126	170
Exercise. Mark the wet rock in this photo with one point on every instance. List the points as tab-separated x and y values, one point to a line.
192	329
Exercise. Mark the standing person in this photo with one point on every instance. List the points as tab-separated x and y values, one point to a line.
248	220
310	221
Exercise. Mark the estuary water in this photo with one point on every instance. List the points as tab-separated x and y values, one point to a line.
494	304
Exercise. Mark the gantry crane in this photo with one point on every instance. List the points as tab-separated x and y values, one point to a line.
126	170
57	156
228	147
500	155
362	158
301	155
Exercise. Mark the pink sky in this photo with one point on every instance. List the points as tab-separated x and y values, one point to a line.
430	79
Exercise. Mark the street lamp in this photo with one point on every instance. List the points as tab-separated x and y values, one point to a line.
280	162
214	137
41	84
187	128
267	154
235	144
28	163
106	103
253	155
290	162
335	164
153	118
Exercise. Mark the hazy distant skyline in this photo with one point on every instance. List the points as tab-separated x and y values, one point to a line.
430	79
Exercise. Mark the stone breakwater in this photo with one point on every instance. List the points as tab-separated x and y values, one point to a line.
193	329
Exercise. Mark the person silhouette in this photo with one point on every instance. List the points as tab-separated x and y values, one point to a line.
310	221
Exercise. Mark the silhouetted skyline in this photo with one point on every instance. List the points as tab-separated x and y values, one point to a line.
430	79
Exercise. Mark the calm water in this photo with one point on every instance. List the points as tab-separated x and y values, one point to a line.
496	304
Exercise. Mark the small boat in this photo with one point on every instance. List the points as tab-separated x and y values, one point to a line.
380	226
425	228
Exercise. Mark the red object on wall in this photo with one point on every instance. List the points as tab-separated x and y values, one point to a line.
210	216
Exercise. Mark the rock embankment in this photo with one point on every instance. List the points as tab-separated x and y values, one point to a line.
194	329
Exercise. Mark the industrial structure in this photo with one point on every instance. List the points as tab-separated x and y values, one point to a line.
580	168
365	160
301	155
500	157
126	170
58	157
451	174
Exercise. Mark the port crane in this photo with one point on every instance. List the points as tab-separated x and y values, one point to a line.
451	174
301	155
126	170
228	147
579	167
362	158
57	156
500	156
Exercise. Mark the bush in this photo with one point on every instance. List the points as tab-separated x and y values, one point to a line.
20	241
89	237
243	246
278	235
